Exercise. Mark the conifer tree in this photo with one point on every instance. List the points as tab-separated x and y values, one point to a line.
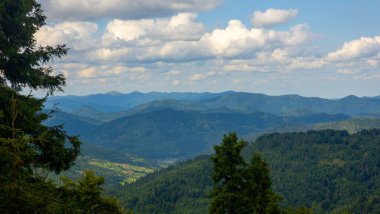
227	176
239	187
258	194
30	150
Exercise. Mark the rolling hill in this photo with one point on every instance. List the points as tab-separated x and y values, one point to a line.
168	133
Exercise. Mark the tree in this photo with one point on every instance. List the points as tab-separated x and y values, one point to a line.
22	62
258	194
84	196
227	176
29	150
240	187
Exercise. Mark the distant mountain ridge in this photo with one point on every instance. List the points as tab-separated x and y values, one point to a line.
118	104
115	101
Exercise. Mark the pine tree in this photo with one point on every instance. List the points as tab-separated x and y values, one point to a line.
259	197
22	62
240	187
227	176
29	150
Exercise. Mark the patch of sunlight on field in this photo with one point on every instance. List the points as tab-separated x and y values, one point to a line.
130	172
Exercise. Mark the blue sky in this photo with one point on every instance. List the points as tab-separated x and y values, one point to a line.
335	21
312	48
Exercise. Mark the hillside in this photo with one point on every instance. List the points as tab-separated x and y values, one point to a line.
329	171
352	125
73	124
169	133
177	189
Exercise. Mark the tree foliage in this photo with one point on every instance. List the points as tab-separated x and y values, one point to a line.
85	196
23	63
240	187
29	150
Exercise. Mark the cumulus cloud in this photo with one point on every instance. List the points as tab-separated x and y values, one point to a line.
272	17
127	9
365	47
178	39
78	35
155	40
182	26
164	43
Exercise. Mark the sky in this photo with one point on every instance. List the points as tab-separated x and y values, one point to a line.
316	48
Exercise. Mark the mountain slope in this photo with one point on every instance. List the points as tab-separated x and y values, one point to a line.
353	125
177	189
73	124
168	133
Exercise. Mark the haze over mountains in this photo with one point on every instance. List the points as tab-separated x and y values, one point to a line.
238	101
159	126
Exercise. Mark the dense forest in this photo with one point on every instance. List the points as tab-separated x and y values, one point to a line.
327	171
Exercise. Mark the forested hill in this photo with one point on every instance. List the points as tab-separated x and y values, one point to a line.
328	171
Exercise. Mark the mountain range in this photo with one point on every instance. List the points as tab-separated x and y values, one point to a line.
158	126
127	136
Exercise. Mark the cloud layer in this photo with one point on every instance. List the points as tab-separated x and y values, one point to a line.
126	9
177	39
180	52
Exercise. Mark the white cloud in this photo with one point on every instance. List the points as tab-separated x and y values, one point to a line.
234	67
272	17
181	27
127	9
172	73
196	77
128	30
178	43
307	63
78	35
373	62
179	38
87	73
365	47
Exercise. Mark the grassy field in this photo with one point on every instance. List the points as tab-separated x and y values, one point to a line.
129	172
113	172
